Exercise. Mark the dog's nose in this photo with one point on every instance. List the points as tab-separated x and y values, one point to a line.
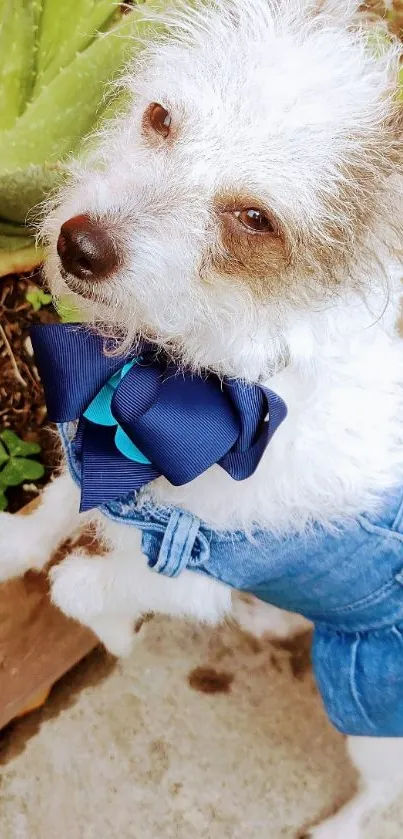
86	249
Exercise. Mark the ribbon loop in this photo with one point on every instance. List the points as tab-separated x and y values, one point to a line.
183	424
166	421
73	366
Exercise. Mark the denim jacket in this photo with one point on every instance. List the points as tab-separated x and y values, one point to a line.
348	581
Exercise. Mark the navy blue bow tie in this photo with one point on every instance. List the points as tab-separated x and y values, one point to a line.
165	421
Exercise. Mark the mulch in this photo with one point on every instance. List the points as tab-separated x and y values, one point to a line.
22	406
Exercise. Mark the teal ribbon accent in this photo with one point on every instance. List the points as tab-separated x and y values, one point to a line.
99	411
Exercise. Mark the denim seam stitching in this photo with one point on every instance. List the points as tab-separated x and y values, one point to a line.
376	529
369	600
398	634
353	686
397	522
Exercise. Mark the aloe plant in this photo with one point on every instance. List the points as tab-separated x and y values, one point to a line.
56	59
16	463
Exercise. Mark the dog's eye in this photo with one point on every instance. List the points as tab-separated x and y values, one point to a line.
255	220
160	119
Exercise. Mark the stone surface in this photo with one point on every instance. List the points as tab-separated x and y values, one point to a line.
201	733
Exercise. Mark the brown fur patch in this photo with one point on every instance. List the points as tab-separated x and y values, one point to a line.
208	680
311	258
258	259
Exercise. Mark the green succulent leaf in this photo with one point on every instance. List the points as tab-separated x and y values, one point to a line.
66	29
3	501
57	61
20	469
18	31
17	447
19	257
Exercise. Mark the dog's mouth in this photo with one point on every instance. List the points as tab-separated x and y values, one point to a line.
83	288
94	293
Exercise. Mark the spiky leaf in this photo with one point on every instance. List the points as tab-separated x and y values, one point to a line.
53	80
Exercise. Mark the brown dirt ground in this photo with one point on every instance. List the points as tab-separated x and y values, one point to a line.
22	405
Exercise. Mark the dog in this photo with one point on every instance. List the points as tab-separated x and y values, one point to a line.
244	214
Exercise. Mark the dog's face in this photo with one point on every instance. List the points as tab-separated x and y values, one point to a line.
252	179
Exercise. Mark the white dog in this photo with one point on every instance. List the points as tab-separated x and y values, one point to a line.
243	214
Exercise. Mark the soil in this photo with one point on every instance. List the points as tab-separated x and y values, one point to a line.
22	406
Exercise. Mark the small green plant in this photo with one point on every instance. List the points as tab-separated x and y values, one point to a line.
38	298
16	463
66	308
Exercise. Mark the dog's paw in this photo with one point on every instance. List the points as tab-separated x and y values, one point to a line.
116	633
77	587
260	619
20	547
81	588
